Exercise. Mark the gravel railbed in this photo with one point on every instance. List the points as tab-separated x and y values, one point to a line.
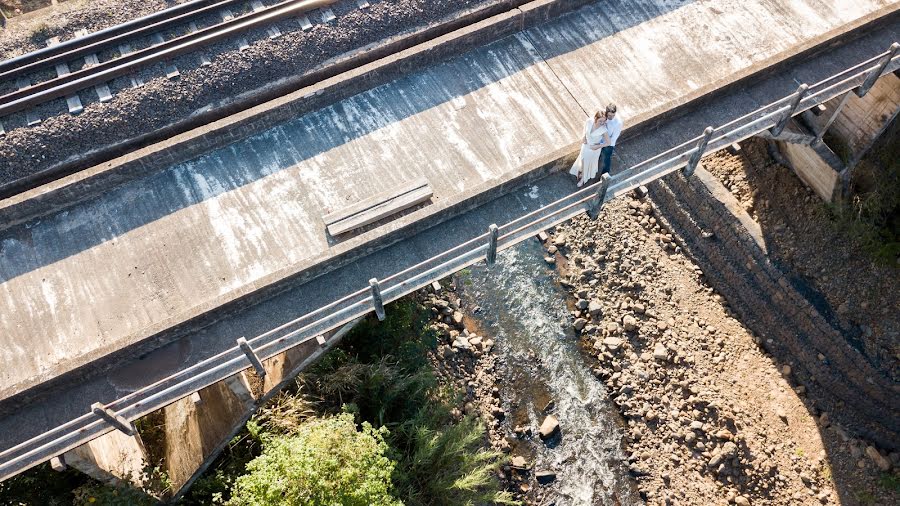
161	101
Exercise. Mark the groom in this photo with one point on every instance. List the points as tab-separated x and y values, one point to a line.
614	127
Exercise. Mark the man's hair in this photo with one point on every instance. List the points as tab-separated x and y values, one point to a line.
611	108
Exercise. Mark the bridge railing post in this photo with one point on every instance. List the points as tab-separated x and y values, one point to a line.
493	234
377	300
599	198
876	72
795	103
252	357
701	148
113	418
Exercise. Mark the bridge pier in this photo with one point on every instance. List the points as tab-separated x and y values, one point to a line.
113	458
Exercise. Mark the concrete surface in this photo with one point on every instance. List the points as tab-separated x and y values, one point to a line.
111	272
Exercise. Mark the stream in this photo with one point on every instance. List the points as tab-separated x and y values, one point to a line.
520	304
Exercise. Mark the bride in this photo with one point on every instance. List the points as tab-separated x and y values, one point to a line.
595	138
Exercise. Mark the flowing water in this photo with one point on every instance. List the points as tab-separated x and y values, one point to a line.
523	308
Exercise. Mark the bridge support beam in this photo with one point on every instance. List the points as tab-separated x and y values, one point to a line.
377	300
252	357
112	418
834	115
876	72
493	235
701	149
795	103
600	198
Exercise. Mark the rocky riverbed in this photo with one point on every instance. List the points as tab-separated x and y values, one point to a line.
709	416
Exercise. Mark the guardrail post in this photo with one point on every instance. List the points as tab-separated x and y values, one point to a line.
377	300
701	148
251	356
493	235
795	103
876	73
600	198
112	418
834	115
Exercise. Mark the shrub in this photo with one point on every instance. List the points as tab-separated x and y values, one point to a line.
327	462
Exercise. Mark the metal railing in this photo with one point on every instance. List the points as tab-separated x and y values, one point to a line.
483	247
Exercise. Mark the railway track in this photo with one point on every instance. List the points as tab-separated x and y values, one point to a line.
181	20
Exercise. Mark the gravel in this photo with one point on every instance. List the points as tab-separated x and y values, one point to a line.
136	111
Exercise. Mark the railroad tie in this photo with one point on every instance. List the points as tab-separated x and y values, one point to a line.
171	70
90	60
31	117
204	60
228	16
362	4
136	80
72	101
305	24
327	14
2	130
273	30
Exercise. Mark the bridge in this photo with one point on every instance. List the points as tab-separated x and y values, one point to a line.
129	284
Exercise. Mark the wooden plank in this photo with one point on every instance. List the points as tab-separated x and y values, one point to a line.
381	211
374	200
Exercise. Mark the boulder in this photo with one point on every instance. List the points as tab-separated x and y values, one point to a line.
579	324
519	462
545	477
549	427
594	307
659	352
612	343
629	323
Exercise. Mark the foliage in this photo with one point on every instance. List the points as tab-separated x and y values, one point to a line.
871	216
41	486
97	494
446	464
327	462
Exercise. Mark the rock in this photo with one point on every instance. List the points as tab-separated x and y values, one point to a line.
579	324
629	323
876	457
476	341
436	287
639	308
729	449
659	352
612	343
549	427
785	370
741	501
594	307
581	304
559	240
497	412
461	343
545	477
550	260
779	411
457	318
519	462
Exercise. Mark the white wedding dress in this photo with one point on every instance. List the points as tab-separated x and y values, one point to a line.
588	161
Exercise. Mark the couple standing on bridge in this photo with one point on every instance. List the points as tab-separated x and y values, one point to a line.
599	141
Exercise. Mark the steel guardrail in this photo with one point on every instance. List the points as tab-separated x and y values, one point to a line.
307	327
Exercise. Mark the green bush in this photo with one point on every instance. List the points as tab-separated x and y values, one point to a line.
327	462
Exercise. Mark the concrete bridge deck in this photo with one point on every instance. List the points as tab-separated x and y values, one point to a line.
157	251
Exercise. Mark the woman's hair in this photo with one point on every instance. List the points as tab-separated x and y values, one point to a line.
597	115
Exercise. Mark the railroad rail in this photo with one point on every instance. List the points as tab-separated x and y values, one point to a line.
774	116
67	84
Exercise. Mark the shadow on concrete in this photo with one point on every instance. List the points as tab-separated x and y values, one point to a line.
40	242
